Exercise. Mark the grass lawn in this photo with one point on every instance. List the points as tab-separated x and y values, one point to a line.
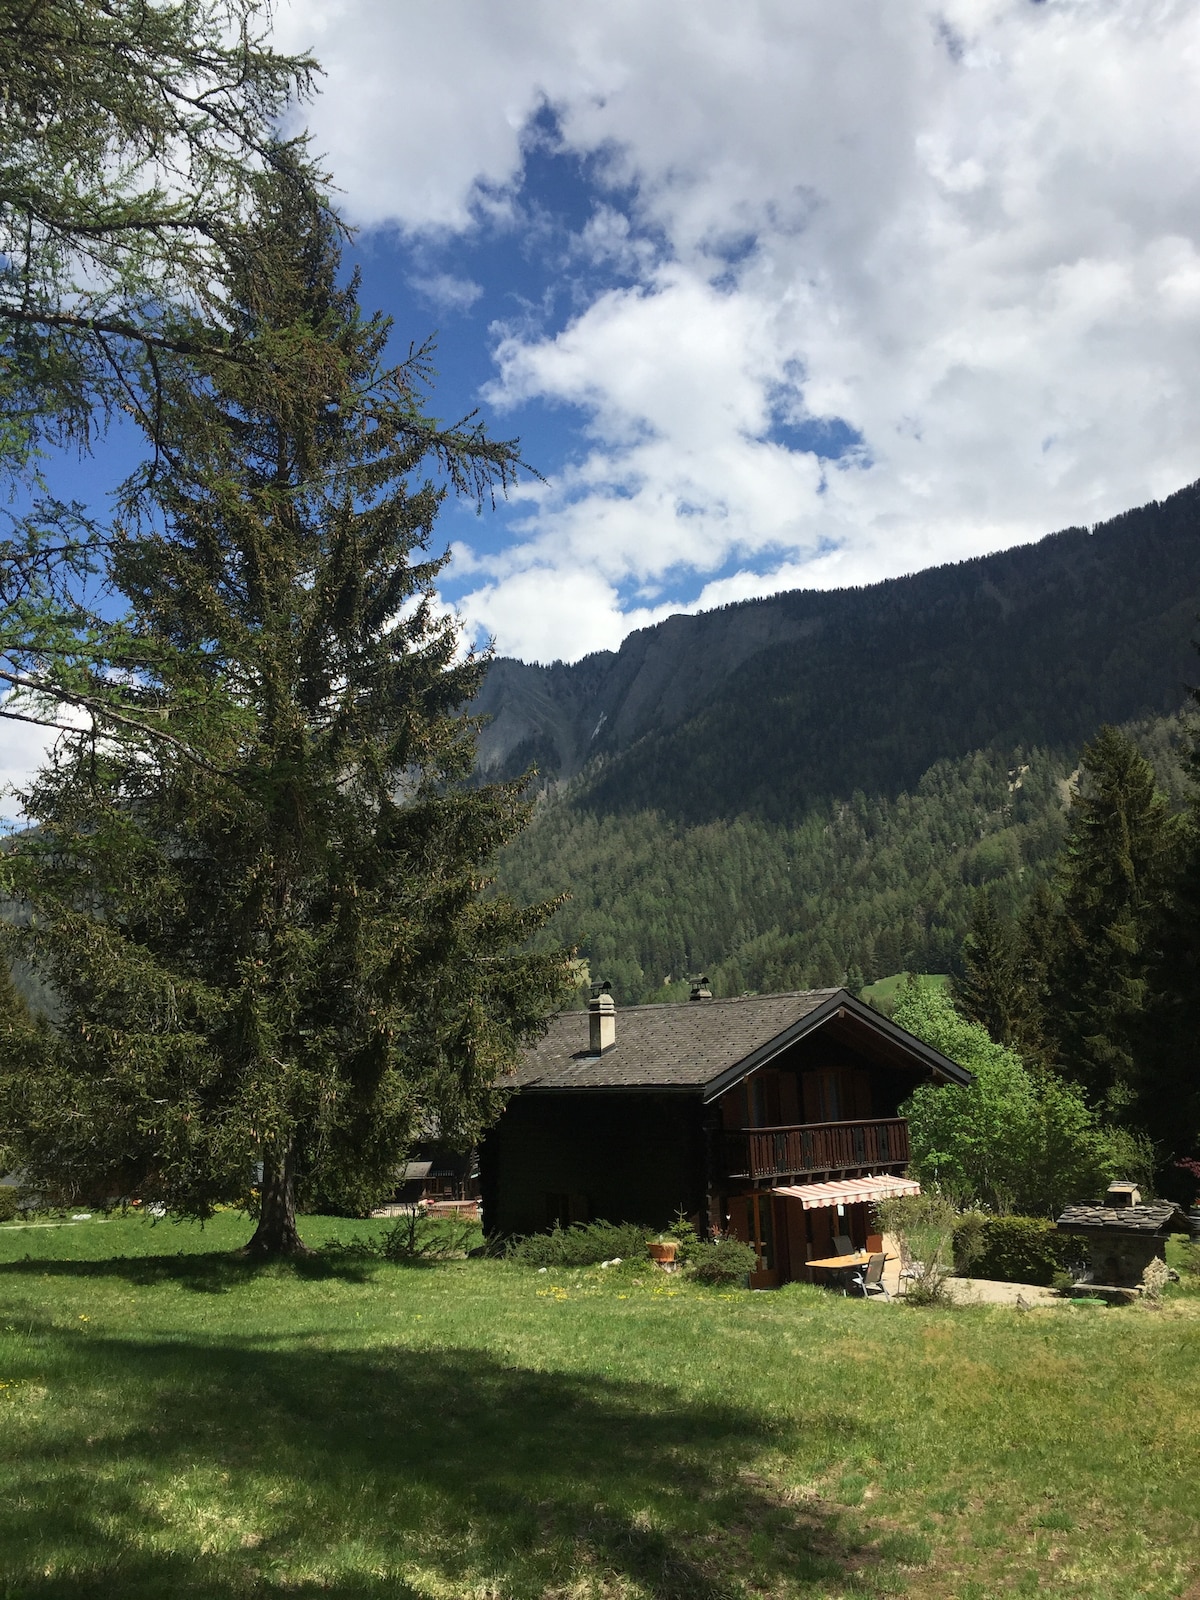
180	1423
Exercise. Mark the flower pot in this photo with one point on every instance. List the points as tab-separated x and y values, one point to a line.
663	1253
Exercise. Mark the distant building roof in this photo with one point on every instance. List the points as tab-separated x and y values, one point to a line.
704	1045
1163	1218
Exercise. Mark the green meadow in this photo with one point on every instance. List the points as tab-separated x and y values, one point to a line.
178	1422
884	993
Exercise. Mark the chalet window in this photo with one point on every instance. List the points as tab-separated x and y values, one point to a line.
824	1099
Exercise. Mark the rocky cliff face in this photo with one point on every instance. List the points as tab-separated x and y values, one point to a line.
558	717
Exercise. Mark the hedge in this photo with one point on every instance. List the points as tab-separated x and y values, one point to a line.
1014	1249
583	1244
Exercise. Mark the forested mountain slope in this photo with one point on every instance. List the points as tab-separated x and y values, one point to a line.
811	788
854	889
774	705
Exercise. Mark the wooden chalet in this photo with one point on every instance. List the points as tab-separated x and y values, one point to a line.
774	1117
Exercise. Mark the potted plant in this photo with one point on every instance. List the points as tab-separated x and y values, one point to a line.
663	1249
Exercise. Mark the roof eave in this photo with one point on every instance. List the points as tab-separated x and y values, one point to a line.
840	1001
609	1088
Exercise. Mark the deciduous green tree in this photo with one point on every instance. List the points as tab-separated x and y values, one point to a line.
268	920
1015	1139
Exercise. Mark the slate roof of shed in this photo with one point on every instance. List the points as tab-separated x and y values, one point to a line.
696	1044
1163	1218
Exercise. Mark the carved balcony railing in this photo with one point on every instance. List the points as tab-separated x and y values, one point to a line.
816	1147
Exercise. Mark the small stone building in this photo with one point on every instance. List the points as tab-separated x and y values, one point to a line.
1122	1235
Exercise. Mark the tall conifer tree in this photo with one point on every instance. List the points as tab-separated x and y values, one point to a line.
992	990
268	923
1114	872
130	137
1169	1085
131	140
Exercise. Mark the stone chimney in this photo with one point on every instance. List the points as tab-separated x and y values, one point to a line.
602	1019
700	990
1123	1194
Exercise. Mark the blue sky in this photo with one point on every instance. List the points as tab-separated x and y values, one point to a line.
778	294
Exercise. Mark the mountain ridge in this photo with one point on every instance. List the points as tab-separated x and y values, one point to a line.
1107	614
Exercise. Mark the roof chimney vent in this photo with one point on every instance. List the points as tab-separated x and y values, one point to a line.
700	990
1123	1194
602	1019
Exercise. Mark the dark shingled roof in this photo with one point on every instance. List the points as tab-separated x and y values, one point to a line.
1164	1218
696	1043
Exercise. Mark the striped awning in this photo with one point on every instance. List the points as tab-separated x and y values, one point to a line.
847	1191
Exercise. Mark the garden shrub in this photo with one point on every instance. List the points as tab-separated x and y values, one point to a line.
1155	1279
1015	1249
720	1261
26	1203
418	1238
583	1244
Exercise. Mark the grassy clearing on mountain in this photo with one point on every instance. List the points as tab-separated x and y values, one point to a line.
182	1422
883	993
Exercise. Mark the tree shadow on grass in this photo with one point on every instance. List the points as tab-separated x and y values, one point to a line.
205	1272
212	1471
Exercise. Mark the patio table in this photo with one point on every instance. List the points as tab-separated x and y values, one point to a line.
839	1268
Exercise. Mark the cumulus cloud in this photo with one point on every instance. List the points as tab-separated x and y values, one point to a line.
967	231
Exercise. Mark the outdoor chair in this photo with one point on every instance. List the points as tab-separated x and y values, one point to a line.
869	1279
843	1245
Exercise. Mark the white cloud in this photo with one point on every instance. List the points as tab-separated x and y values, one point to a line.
448	293
23	749
969	229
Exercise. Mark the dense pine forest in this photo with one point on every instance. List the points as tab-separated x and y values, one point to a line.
856	888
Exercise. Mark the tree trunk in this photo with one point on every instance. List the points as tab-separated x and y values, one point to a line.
276	1233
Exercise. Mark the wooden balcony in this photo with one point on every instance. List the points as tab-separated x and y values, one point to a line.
832	1147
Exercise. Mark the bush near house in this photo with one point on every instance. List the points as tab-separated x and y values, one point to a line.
1013	1249
583	1244
720	1261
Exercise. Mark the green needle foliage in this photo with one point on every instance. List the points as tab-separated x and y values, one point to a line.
1115	871
129	140
262	899
132	134
992	989
1168	1082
